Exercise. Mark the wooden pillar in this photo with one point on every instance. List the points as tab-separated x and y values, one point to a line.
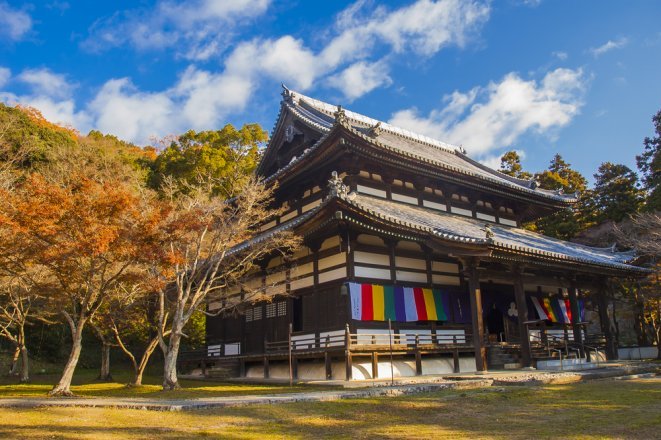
575	313
475	295
375	365
328	365
455	360
606	321
266	367
522	310
294	367
347	353
418	357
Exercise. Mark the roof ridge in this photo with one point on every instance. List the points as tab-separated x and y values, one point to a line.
330	109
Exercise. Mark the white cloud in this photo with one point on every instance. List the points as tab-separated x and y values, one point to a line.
495	116
608	46
562	56
196	29
201	99
14	23
5	74
45	82
361	78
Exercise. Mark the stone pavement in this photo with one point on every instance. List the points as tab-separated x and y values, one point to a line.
369	389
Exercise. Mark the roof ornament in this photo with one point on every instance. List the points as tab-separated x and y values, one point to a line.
488	232
336	187
613	248
462	150
560	191
534	184
287	95
375	130
340	116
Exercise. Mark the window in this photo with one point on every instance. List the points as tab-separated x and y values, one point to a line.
282	308
249	315
271	310
257	313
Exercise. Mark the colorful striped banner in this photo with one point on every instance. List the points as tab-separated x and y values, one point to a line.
373	302
557	309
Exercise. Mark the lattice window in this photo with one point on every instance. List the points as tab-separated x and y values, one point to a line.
271	310
257	313
282	308
249	315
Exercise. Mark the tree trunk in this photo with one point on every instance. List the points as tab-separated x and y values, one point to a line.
25	364
140	370
63	387
104	373
13	369
170	380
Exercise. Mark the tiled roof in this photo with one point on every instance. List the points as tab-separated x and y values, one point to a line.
469	230
321	116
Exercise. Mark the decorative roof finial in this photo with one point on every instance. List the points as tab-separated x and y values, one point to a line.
488	232
340	116
336	187
375	130
534	184
287	95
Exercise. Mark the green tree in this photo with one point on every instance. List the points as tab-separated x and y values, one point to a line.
560	176
228	155
616	192
510	164
649	164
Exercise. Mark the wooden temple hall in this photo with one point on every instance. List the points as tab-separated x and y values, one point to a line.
414	259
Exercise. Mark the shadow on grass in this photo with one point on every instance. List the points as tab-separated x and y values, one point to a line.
608	409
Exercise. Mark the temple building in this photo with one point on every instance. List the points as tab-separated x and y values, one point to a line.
414	262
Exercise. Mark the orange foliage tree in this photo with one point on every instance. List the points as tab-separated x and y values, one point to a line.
87	239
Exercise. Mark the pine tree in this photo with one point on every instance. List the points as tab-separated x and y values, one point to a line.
616	192
510	164
567	223
649	164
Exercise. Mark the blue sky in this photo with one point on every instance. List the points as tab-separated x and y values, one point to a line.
538	76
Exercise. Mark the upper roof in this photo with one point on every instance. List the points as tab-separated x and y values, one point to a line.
322	117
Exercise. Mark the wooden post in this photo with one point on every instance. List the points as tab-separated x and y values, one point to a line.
294	367
375	365
347	353
606	322
475	295
328	365
522	310
455	359
242	368
418	357
266	367
266	360
575	314
289	348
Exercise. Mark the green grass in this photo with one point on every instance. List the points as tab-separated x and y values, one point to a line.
85	385
598	409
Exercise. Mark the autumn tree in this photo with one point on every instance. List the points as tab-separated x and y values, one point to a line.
510	164
649	164
86	236
642	233
16	306
200	257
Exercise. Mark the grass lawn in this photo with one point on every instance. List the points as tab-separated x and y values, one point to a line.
598	409
85	385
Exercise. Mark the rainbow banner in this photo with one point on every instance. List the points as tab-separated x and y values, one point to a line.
557	309
373	302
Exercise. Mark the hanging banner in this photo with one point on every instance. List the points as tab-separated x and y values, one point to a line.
557	309
374	302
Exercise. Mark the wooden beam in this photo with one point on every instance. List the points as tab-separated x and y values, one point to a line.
606	322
